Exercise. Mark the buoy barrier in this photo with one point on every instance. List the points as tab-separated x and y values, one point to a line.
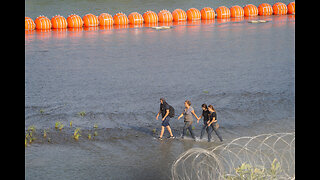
179	15
151	19
120	19
74	21
105	19
279	8
165	16
223	12
265	9
291	8
135	18
59	22
207	13
250	10
29	24
193	14
236	11
42	22
90	20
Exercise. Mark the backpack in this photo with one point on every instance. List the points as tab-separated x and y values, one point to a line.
171	111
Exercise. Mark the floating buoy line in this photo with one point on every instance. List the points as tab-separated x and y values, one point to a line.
151	18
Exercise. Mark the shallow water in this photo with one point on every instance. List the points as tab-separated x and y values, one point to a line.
116	76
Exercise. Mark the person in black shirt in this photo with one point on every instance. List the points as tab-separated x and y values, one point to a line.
213	121
205	115
164	110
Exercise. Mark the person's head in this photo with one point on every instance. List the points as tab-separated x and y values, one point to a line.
187	103
162	100
204	107
210	108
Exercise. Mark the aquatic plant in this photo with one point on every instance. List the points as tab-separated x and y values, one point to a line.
95	133
61	126
247	171
95	126
70	123
153	131
82	113
57	124
44	133
76	134
29	135
41	111
89	136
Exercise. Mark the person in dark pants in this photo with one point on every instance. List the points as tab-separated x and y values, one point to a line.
164	110
213	121
188	120
205	127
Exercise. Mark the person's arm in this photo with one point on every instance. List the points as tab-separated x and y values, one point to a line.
212	121
167	113
198	119
194	114
180	116
158	115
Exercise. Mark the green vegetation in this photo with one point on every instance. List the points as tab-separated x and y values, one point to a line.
82	113
246	171
76	134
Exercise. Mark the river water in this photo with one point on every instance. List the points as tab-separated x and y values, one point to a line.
117	75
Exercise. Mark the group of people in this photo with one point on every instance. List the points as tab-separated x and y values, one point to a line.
209	120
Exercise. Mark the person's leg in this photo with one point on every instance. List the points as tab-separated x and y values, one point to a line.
209	131
202	131
184	128
191	131
169	129
217	133
162	131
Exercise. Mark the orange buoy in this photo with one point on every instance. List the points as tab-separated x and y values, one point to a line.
250	10
120	19
179	15
223	12
291	8
165	16
74	21
279	8
193	14
105	19
150	17
59	22
43	22
29	24
236	11
265	9
90	20
135	18
207	13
